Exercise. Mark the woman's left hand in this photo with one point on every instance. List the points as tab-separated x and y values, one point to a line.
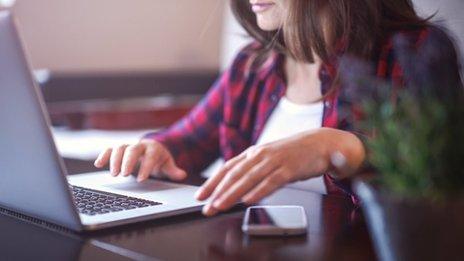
261	170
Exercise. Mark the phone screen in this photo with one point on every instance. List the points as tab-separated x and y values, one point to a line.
280	216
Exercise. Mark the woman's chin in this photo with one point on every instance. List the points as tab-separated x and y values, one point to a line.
266	25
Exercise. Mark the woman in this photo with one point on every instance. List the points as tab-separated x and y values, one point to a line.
275	115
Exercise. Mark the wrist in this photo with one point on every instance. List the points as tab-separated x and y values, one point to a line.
344	149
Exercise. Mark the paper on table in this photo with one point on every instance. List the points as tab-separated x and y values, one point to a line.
87	144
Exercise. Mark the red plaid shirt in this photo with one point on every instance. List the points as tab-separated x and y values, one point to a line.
233	113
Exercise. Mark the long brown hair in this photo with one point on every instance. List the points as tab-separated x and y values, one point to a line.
317	25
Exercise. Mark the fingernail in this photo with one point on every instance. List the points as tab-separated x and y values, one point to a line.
205	210
198	194
180	175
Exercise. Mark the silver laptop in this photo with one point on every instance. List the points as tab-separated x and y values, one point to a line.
33	179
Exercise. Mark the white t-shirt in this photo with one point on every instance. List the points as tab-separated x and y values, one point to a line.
286	120
289	119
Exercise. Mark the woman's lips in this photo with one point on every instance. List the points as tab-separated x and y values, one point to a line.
260	7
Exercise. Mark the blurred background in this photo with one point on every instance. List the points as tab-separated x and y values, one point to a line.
120	36
89	36
111	70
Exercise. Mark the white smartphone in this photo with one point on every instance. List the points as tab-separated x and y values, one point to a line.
275	221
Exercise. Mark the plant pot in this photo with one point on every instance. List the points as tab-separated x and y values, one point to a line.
412	229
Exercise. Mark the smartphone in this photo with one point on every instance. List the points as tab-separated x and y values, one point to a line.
275	221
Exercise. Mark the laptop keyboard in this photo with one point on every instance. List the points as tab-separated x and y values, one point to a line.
93	202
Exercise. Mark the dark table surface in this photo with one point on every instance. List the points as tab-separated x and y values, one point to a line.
336	231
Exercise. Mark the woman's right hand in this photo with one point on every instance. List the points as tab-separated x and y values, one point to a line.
155	160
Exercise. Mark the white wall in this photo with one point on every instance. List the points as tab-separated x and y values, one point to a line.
76	36
448	11
233	38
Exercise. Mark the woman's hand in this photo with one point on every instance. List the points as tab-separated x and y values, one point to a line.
260	170
155	160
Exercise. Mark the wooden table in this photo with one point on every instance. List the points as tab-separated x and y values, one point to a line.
337	231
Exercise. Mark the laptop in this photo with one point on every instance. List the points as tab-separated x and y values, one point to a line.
33	179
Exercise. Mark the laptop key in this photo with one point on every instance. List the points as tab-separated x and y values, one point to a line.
93	202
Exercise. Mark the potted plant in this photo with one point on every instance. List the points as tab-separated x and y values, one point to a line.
414	201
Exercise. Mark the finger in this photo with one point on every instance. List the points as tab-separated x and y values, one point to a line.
173	172
116	159
235	174
209	210
208	187
150	163
270	184
131	157
231	178
103	158
250	180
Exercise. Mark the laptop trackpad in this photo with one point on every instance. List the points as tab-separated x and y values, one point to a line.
143	187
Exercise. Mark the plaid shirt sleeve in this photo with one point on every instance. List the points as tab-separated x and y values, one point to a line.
194	140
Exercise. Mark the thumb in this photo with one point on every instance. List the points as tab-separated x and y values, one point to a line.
172	171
